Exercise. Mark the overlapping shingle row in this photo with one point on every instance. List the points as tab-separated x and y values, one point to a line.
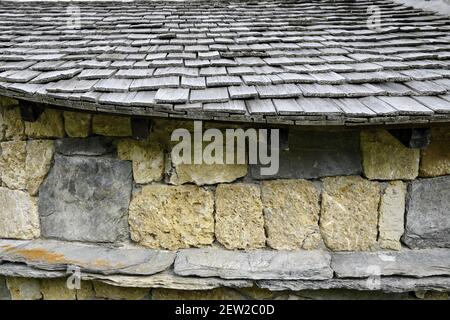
294	62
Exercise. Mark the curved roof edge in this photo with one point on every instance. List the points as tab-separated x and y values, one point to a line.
167	111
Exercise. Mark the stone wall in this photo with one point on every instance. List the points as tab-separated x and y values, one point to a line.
55	289
82	177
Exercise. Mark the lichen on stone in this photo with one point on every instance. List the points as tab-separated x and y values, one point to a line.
109	125
386	158
48	125
291	214
19	217
77	124
172	217
147	158
349	213
239	216
435	159
392	215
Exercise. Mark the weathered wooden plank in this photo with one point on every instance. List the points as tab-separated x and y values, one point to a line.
261	106
318	106
287	106
407	105
353	107
378	106
435	103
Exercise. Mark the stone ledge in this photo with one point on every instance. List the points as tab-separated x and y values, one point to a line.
258	264
20	270
58	255
168	280
385	284
413	263
204	269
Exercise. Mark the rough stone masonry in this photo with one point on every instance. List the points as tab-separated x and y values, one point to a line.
78	189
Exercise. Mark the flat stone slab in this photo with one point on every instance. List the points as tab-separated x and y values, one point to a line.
412	263
428	213
9	269
315	154
258	264
57	255
86	199
385	284
93	146
168	280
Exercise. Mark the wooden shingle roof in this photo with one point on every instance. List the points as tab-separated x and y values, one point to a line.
281	61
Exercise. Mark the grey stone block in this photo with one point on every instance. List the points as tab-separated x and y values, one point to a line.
4	292
93	146
258	264
315	154
86	199
428	213
52	255
412	263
